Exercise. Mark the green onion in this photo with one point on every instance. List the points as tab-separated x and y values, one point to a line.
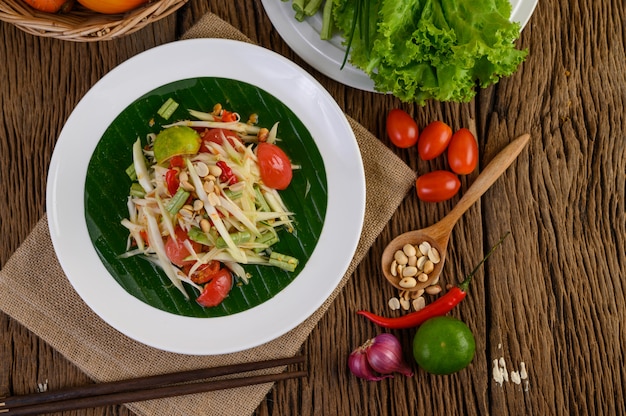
168	108
356	19
283	261
365	27
177	201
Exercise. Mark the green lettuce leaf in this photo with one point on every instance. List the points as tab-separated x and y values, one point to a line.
431	49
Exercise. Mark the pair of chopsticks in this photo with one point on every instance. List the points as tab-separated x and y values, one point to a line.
147	388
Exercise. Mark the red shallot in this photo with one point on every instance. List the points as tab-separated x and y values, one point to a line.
381	354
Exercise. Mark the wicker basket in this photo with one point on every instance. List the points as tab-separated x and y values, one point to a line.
82	25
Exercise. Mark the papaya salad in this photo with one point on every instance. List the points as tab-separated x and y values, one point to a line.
205	201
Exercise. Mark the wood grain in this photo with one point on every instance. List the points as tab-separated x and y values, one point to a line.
552	297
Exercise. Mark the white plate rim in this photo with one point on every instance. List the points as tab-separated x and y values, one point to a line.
326	56
267	321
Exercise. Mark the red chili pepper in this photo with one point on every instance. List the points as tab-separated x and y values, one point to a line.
204	273
227	176
440	307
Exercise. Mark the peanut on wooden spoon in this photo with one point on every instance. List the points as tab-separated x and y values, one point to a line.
438	234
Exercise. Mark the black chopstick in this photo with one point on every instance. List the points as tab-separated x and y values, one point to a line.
146	388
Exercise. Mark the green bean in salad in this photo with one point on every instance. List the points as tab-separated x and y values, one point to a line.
168	108
203	202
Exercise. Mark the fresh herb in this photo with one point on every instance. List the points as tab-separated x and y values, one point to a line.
430	49
419	50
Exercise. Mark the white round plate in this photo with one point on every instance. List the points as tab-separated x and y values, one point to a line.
192	59
327	56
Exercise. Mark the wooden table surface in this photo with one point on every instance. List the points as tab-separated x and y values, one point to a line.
553	297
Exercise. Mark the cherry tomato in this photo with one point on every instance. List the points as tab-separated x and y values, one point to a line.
176	250
463	152
144	237
274	165
433	140
217	289
401	128
111	6
437	186
177	162
217	136
205	272
48	6
172	181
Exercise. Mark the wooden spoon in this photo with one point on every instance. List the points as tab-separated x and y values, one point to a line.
438	234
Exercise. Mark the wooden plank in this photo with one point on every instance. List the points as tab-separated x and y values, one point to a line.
42	82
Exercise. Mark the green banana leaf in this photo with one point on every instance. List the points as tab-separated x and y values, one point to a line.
107	187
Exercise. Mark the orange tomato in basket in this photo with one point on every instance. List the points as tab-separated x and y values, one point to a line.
49	6
111	6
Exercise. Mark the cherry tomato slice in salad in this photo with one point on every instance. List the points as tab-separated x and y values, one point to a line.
177	162
463	152
401	128
437	186
434	140
217	136
274	166
217	289
176	250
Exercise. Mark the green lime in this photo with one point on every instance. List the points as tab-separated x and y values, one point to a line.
443	345
176	141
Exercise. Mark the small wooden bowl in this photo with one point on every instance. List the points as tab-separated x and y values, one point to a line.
83	25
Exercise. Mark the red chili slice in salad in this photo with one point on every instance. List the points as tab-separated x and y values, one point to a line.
274	166
172	181
205	272
228	116
176	250
217	289
227	176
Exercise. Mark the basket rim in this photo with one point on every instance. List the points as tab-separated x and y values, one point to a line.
83	25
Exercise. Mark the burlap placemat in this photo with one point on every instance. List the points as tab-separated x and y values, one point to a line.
51	308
